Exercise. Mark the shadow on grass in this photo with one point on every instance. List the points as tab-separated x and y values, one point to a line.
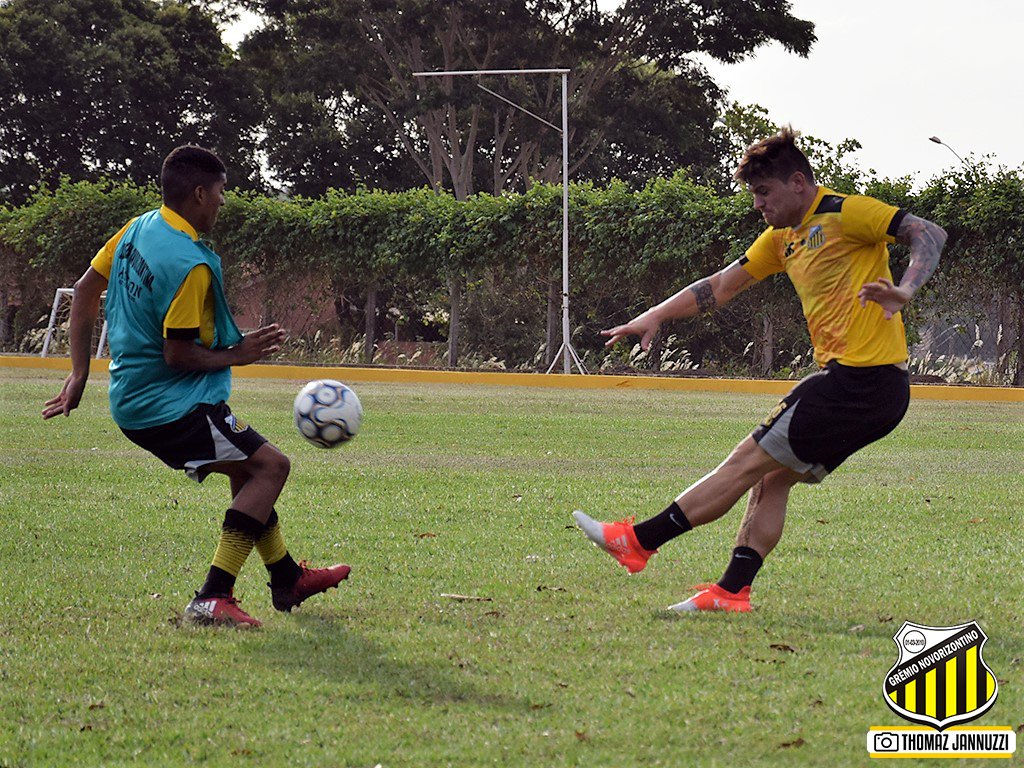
328	650
878	629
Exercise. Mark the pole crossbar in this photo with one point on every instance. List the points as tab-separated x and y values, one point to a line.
569	356
492	72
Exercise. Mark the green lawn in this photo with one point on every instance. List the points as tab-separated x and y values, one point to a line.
469	490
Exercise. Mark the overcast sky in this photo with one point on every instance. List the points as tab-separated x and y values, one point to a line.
891	73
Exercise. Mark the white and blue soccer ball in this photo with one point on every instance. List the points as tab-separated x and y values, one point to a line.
327	413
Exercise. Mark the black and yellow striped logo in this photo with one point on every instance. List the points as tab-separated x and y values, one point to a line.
941	678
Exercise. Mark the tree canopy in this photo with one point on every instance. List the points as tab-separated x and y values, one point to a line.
640	102
105	88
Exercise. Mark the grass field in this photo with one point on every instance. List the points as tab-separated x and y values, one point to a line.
566	660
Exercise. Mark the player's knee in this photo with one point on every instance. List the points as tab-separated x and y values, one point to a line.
281	466
779	479
750	461
273	465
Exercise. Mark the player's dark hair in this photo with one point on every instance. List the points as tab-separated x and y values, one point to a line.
776	157
186	168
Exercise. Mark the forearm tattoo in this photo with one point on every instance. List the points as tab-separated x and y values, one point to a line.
925	240
705	295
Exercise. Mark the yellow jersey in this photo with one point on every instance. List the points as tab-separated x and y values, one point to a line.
841	244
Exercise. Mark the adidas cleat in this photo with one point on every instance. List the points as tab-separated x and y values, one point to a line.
313	581
218	610
712	597
617	539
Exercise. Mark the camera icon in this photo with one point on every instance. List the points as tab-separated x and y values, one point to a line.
887	742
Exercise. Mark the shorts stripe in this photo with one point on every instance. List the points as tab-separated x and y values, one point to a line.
223	450
776	444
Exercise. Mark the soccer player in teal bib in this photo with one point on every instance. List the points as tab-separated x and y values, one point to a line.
172	343
834	250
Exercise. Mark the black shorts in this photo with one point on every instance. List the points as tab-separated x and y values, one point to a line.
208	435
832	414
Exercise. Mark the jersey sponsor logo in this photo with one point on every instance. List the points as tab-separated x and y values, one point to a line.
940	678
790	247
816	237
133	272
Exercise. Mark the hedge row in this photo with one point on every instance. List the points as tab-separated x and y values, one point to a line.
487	272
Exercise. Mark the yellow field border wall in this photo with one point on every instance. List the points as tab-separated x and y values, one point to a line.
554	380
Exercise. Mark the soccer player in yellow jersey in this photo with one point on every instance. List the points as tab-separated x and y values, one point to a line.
172	343
834	249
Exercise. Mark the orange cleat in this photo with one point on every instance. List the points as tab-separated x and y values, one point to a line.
712	597
617	539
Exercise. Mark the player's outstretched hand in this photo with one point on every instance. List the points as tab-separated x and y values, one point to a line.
260	343
67	400
645	326
890	297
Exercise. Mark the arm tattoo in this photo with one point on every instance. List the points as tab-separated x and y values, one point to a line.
705	295
925	240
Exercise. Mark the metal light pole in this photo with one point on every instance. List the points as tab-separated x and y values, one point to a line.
569	355
937	140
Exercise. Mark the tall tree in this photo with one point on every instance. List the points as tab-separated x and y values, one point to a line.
92	88
633	76
640	102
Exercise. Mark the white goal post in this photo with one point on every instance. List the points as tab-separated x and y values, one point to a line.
53	327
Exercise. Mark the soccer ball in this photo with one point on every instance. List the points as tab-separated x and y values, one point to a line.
327	413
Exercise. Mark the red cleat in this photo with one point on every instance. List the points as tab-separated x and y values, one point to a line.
313	581
219	610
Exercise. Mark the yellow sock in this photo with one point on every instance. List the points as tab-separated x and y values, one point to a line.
270	544
232	550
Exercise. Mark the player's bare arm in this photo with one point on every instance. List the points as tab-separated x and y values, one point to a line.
85	307
700	297
925	239
189	356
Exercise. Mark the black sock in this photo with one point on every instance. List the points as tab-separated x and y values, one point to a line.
285	572
218	582
651	534
742	569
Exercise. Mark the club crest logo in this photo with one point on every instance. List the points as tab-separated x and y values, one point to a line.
940	678
236	424
816	237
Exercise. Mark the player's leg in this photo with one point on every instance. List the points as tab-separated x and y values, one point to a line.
759	532
827	418
765	517
703	502
256	482
706	500
206	440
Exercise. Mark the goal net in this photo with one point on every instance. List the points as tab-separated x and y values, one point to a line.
56	341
